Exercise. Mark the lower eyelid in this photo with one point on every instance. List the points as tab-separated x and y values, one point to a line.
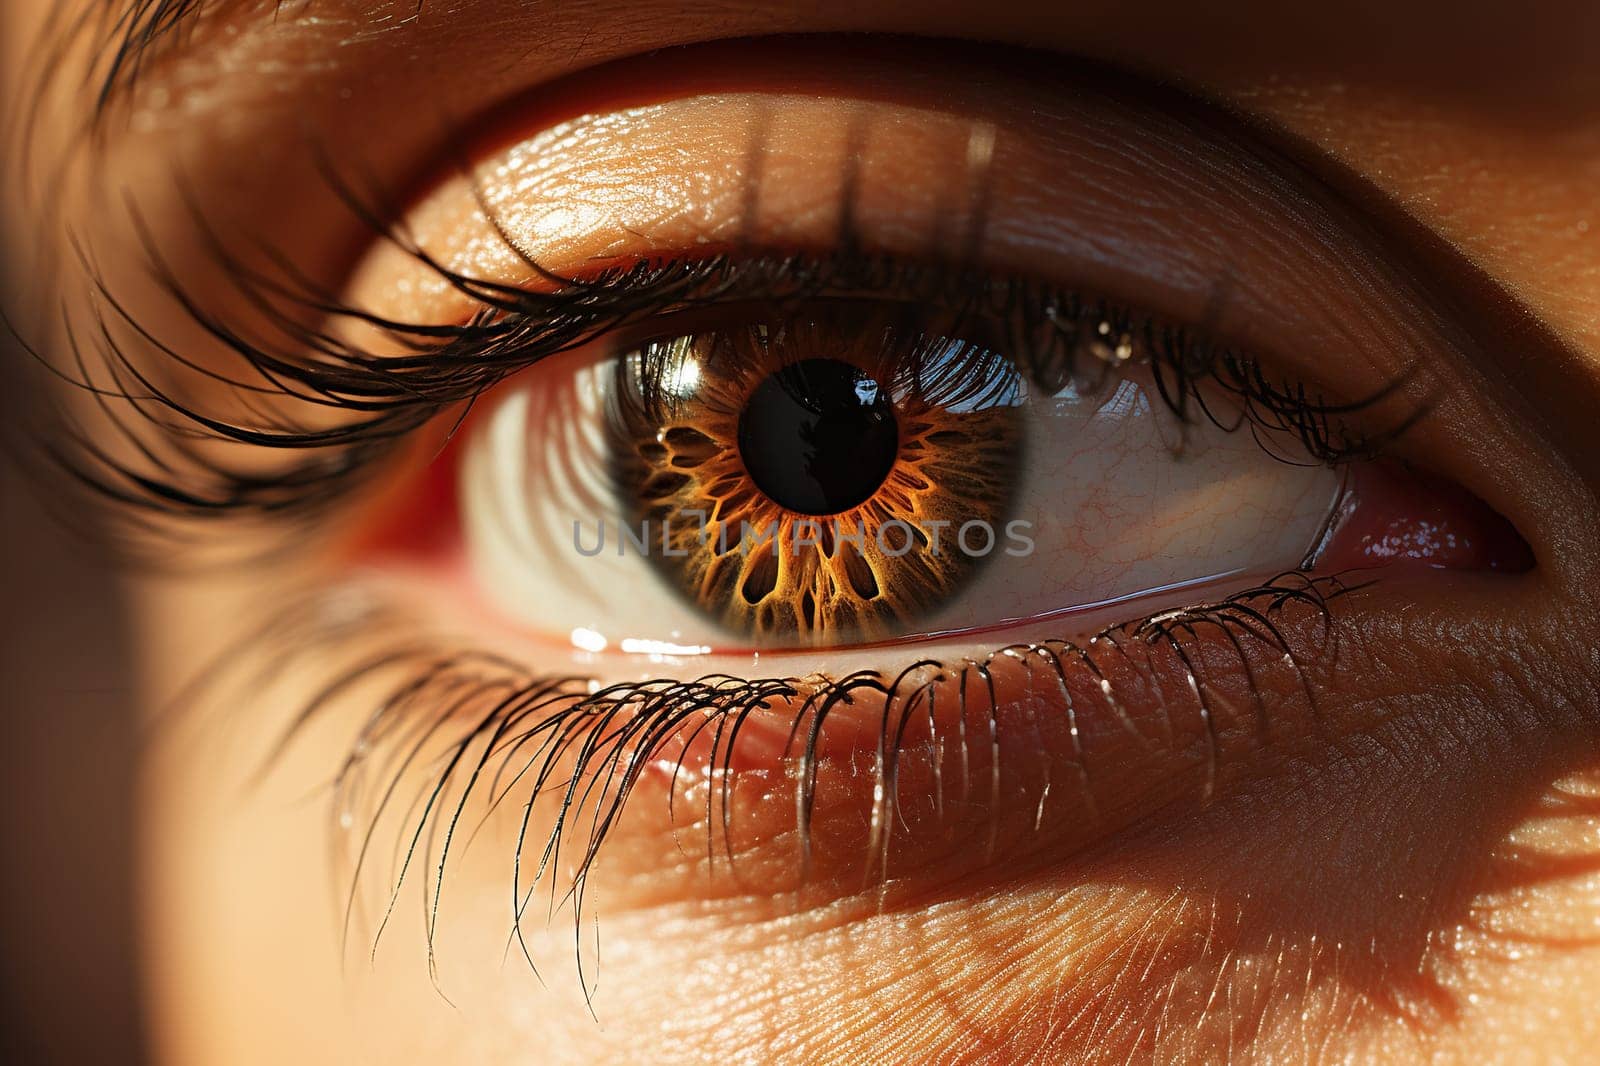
826	786
433	713
811	736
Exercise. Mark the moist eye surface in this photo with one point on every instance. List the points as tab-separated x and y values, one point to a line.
832	472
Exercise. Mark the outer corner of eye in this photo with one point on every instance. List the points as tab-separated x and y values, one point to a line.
414	517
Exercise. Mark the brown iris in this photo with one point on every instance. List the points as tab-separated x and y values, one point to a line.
812	472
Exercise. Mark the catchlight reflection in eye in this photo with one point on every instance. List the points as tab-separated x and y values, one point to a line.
844	475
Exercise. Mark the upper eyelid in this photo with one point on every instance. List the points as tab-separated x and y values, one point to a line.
146	24
1143	103
1088	267
136	37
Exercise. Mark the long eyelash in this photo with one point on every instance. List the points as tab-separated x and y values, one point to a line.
489	731
127	35
383	398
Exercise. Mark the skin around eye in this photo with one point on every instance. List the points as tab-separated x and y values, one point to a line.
1072	730
986	844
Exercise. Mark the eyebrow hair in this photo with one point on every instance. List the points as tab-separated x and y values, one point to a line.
133	31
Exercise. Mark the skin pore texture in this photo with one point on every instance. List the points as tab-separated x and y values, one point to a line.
1400	868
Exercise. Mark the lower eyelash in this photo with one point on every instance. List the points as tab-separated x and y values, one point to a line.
490	729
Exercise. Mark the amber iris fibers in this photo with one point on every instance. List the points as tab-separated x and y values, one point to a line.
797	463
819	436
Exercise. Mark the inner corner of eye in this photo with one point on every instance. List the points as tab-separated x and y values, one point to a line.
1395	514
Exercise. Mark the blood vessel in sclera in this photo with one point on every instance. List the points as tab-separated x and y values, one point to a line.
1394	515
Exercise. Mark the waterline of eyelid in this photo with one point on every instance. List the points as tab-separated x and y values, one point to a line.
614	655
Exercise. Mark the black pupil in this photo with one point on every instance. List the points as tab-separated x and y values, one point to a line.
818	436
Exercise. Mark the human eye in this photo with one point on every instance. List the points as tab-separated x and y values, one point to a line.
821	472
1186	499
976	420
777	505
599	312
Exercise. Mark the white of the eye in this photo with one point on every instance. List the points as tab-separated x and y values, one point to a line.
1124	501
1120	500
534	502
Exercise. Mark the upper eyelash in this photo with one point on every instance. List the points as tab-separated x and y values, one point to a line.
438	367
125	37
